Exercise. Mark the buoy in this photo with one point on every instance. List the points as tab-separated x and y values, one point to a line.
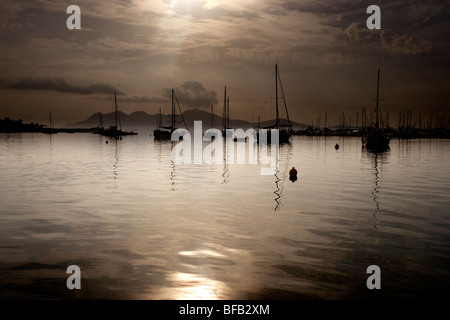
293	174
336	146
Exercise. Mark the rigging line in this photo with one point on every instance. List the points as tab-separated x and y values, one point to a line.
164	109
284	99
166	106
181	113
118	116
268	93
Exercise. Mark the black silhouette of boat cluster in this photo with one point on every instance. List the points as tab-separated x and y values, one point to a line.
285	130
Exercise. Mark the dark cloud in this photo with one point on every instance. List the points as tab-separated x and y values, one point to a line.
404	44
60	85
386	40
193	94
399	13
428	11
321	6
139	99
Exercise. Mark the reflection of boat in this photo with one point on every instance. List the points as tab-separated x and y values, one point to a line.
226	169
116	161
376	161
172	176
277	192
281	175
116	130
50	129
377	187
165	132
375	138
285	130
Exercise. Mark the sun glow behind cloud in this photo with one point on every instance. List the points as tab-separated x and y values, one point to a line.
210	4
143	46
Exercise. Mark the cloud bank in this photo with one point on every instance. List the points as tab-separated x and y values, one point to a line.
59	85
193	94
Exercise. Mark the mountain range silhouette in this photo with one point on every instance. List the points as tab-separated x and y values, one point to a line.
142	119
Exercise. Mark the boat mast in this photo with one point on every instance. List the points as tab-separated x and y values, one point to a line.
284	101
276	95
378	96
181	113
173	110
228	111
100	120
51	121
159	122
116	109
224	116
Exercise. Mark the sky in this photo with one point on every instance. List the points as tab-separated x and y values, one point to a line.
327	57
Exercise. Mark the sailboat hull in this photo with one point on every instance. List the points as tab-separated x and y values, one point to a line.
284	136
114	132
376	140
162	135
49	131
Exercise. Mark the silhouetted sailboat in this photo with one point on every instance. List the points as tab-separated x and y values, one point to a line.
50	129
285	130
375	138
165	132
116	130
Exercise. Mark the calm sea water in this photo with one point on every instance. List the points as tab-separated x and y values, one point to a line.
141	227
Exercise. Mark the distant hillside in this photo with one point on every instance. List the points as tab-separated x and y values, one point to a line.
141	119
